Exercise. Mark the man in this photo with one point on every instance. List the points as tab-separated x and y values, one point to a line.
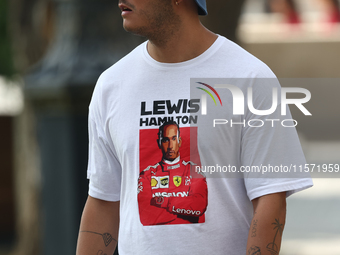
152	84
171	192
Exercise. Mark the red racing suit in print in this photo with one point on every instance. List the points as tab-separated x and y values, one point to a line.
172	193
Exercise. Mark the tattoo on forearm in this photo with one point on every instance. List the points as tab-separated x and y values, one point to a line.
254	250
107	238
272	247
254	229
101	253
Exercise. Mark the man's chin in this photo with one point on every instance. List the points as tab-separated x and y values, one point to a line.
132	29
170	159
127	27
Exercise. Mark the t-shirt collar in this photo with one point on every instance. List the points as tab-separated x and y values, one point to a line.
175	161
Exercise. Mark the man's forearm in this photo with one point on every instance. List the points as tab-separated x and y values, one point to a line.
267	225
98	233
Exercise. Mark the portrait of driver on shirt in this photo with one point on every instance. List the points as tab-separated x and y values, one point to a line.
170	191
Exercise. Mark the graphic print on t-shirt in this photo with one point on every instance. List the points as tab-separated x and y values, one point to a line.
170	191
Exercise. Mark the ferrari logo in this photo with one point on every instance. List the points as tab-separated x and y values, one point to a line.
177	180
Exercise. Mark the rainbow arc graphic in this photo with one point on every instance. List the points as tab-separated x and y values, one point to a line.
209	93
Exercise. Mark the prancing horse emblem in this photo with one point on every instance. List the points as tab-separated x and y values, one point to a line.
177	180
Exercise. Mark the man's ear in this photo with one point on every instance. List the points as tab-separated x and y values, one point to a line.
179	142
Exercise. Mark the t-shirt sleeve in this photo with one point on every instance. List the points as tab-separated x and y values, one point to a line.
104	169
271	151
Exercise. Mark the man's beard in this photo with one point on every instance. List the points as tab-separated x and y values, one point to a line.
162	23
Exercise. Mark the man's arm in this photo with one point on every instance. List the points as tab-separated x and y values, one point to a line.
196	202
98	233
266	228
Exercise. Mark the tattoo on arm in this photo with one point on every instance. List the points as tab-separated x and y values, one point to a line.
100	252
272	247
254	250
254	229
107	238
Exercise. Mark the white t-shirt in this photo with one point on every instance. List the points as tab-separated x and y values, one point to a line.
134	97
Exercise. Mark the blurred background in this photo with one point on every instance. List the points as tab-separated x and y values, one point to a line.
51	54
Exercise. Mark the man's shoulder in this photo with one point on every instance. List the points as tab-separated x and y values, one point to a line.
187	162
123	66
242	62
150	168
108	82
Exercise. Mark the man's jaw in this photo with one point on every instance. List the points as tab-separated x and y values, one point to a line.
171	155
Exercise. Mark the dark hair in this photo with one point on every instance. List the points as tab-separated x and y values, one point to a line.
167	123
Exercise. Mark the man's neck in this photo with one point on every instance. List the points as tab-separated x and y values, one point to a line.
175	161
188	42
